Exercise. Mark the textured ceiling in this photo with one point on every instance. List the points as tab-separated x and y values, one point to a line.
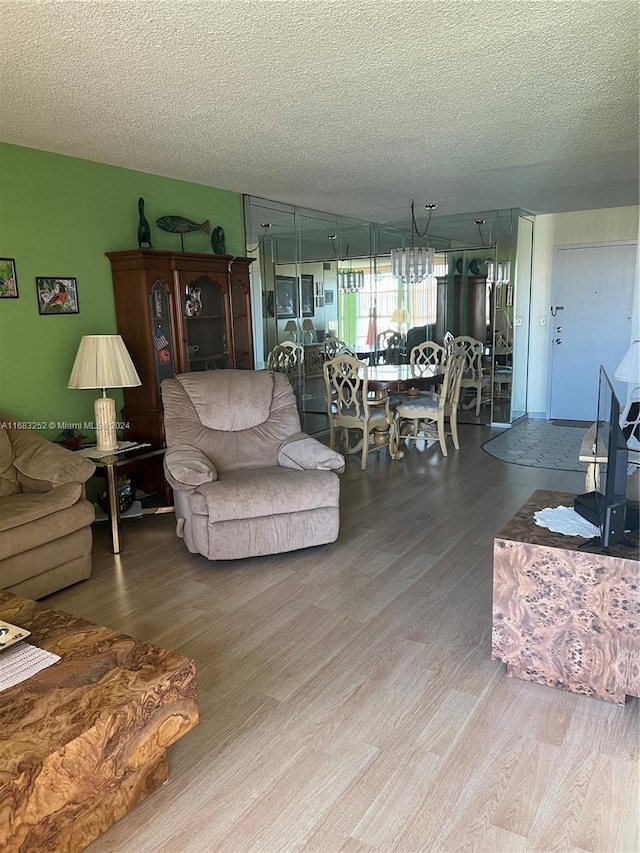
353	107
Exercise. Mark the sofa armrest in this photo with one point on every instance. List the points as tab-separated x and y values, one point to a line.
305	453
42	464
186	467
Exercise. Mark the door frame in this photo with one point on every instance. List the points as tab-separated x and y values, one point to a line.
564	247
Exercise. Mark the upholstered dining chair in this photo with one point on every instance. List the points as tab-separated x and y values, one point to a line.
350	408
428	417
473	377
246	481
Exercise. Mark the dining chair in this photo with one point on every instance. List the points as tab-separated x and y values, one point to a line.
349	407
423	358
332	346
473	377
285	357
447	341
428	417
390	346
288	358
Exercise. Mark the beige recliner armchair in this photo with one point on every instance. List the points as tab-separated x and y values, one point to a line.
246	481
45	519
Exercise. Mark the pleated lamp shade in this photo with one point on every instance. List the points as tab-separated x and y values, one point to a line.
102	361
629	368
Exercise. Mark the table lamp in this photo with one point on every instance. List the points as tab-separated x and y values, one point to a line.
308	328
102	361
629	368
292	327
629	371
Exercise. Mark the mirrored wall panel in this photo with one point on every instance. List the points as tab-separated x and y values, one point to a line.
321	278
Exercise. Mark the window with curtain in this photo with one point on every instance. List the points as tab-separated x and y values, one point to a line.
363	315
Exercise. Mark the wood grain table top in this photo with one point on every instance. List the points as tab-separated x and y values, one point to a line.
523	528
100	672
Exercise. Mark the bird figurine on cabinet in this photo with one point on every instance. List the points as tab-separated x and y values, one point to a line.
218	242
144	229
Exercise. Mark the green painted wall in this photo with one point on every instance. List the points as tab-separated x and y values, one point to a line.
58	217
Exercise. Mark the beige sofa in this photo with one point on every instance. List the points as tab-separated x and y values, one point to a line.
246	481
45	519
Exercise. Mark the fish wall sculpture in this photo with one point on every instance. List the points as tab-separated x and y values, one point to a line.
180	225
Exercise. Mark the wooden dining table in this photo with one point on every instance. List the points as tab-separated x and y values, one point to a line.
399	378
385	379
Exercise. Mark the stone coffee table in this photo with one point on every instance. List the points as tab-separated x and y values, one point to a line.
85	740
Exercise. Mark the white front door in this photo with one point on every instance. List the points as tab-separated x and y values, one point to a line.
591	304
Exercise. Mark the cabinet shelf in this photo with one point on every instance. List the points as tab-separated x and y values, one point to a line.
205	317
216	356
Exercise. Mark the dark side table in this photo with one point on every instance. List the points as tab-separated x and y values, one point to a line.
109	466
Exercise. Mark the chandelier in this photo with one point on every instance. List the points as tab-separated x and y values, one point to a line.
499	274
350	281
413	263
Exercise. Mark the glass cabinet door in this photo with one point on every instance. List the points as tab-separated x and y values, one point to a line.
162	336
242	331
205	322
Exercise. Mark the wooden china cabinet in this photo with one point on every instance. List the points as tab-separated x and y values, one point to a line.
473	291
178	312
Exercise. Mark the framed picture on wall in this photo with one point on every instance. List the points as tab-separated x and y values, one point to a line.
306	286
286	296
269	304
57	295
8	279
328	297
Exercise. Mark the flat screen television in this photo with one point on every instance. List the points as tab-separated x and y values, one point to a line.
606	507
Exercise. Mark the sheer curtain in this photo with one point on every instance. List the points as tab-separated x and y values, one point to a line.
363	315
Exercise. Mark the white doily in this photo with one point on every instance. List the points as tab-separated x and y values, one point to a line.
21	662
564	519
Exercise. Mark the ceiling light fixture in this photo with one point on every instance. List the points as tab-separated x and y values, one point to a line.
266	226
413	263
349	280
480	223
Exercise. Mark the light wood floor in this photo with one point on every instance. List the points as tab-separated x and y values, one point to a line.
347	697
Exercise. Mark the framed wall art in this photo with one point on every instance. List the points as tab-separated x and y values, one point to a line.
57	295
286	296
8	279
306	286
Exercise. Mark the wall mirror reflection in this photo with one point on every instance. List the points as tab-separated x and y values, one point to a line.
340	286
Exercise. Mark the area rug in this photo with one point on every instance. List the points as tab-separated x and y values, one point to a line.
539	444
